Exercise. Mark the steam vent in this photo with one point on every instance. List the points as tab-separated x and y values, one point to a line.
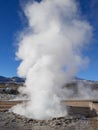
55	85
79	112
87	108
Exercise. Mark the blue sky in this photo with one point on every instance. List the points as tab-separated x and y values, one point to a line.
12	21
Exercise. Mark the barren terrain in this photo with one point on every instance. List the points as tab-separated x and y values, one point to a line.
80	115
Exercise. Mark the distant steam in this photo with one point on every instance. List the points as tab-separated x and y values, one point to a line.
50	51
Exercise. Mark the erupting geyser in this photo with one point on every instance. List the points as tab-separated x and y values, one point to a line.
50	51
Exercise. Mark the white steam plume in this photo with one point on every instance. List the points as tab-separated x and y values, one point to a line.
50	51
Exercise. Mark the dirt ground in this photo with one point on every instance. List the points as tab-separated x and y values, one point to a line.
11	121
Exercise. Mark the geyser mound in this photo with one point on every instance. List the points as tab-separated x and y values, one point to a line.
50	54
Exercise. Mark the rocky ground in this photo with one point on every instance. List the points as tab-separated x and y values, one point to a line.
11	121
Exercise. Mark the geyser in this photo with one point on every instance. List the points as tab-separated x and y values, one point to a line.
50	54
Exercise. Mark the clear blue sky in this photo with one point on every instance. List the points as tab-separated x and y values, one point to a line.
12	21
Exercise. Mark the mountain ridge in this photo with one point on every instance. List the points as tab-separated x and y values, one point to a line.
14	79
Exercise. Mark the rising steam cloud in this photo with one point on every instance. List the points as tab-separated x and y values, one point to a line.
50	54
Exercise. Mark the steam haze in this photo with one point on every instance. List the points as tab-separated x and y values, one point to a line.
50	53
